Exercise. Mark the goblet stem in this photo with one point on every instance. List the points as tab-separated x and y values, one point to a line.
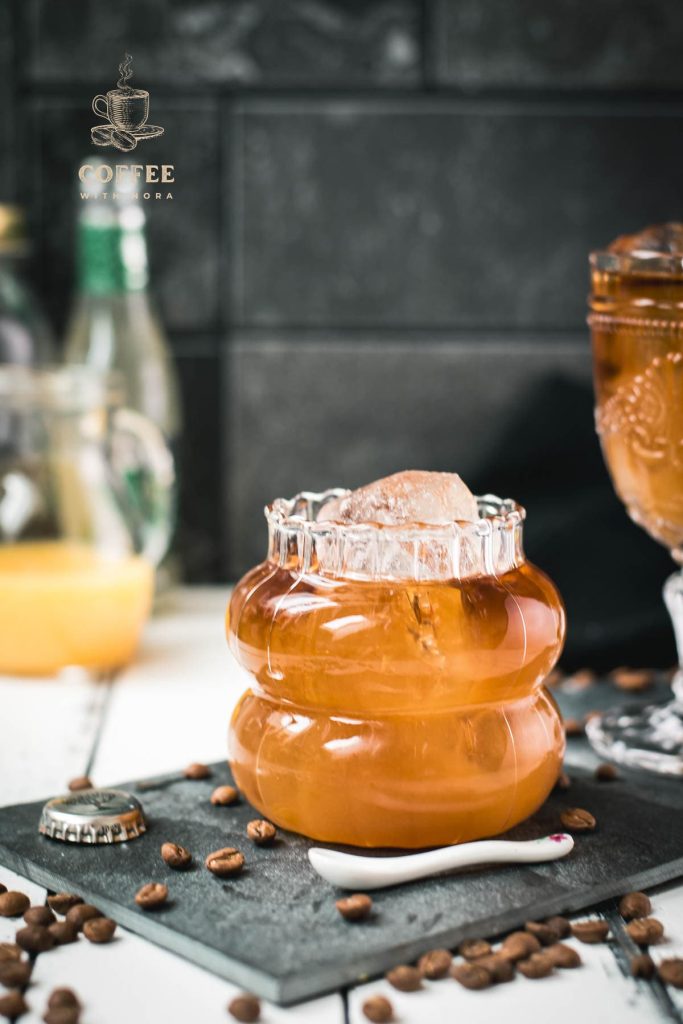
648	737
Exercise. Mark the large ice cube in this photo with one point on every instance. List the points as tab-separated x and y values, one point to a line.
414	496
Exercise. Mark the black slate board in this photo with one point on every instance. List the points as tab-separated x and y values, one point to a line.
274	929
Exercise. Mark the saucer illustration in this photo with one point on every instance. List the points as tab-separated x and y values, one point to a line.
124	111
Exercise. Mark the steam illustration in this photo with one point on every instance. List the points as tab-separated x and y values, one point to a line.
125	111
125	72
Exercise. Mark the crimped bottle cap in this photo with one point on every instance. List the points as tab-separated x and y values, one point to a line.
93	816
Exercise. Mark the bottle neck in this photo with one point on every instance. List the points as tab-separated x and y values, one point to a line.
112	258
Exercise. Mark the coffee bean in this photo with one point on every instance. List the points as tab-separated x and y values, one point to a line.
576	819
553	679
354	908
13	904
3	888
606	773
500	968
63	932
223	796
563	956
39	915
634	904
62	1015
13	1005
642	966
404	978
671	972
245	1008
82	912
645	931
261	832
539	965
9	951
63	997
563	781
177	857
519	946
631	679
225	862
471	975
197	770
79	783
152	896
473	949
435	964
583	678
590	932
62	902
560	925
15	973
545	933
573	727
35	938
378	1010
99	930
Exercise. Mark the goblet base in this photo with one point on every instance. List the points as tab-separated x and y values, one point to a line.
649	738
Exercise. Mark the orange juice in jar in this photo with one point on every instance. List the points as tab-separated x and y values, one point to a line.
397	695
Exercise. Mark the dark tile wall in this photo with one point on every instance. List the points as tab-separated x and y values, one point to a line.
376	253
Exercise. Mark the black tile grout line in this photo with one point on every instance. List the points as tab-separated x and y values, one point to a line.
623	950
344	996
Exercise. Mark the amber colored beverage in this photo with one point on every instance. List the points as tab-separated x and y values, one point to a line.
637	330
402	714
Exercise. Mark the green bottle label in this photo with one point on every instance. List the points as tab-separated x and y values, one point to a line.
111	259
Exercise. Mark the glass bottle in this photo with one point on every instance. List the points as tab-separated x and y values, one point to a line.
25	337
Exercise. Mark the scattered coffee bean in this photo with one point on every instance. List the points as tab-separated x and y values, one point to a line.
35	938
13	1005
634	904
63	932
563	956
645	931
39	915
62	1015
545	933
82	912
473	949
519	946
471	975
378	1010
62	902
671	972
79	783
152	896
13	904
539	965
583	678
563	781
435	964
354	908
9	951
261	832
560	925
15	973
225	862
196	770
245	1008
177	857
404	978
500	967
576	819
99	930
573	727
63	997
590	932
632	679
606	773
223	796
642	966
553	679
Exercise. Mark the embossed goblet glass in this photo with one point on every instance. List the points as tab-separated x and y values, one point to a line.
636	323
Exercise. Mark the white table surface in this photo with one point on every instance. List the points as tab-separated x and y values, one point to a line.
170	708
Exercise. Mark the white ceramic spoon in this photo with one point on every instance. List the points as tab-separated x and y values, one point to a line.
350	871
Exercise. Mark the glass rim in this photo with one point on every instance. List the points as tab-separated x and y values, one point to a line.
78	387
640	261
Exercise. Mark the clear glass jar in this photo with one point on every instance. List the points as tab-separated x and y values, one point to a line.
397	695
79	536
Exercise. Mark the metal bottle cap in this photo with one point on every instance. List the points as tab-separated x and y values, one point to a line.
93	816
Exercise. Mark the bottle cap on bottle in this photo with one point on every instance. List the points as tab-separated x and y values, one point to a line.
93	816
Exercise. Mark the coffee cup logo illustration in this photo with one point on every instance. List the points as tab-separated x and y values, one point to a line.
125	111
